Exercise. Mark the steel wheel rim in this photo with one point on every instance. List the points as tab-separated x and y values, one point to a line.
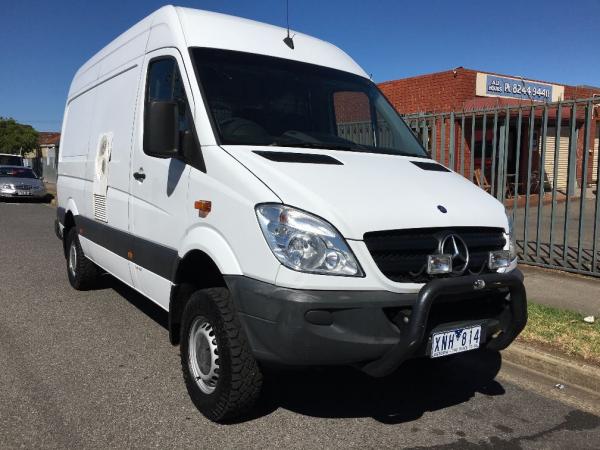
72	258
203	355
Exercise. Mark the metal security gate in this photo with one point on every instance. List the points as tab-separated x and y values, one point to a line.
541	161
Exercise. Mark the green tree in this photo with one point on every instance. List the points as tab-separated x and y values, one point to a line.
16	137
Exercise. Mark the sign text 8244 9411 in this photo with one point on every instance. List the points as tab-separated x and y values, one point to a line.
489	85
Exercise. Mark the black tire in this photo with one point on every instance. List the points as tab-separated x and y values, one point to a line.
239	377
83	275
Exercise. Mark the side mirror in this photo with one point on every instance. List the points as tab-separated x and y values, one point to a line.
161	130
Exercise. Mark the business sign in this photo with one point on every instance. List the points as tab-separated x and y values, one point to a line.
489	85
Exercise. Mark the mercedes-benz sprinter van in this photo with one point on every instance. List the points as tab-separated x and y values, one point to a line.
264	192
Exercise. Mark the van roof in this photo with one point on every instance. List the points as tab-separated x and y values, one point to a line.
179	27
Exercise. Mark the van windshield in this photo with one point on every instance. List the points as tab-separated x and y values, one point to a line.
263	100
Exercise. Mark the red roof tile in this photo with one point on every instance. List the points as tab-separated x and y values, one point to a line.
49	138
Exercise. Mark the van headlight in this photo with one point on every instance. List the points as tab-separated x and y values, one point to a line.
304	242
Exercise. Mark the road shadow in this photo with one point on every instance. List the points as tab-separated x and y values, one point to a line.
142	303
45	199
419	386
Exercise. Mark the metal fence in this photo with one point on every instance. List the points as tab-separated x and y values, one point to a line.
362	133
541	161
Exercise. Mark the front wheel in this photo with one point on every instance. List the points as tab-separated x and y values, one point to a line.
221	375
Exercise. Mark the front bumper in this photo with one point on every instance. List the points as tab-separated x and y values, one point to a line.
376	330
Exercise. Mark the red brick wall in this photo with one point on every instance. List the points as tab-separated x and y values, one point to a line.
351	107
437	92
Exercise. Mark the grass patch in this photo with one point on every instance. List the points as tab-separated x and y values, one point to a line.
564	331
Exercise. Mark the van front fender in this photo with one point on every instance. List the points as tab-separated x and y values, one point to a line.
211	242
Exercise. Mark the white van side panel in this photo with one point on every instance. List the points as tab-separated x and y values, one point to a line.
114	114
231	228
102	102
76	134
72	168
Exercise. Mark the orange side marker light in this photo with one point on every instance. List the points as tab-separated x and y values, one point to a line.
204	207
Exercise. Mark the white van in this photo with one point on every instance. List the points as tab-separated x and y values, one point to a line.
268	196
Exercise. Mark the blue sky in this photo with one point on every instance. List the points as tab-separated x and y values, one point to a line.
44	42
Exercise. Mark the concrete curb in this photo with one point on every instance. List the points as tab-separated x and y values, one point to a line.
567	371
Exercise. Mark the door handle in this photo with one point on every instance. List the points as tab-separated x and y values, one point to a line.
139	175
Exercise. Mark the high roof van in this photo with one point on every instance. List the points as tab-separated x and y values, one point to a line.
261	190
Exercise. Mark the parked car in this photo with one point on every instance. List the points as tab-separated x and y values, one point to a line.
215	167
7	159
22	183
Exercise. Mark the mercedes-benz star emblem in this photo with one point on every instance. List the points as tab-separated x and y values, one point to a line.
454	245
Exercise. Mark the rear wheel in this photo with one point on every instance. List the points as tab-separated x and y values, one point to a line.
221	375
82	272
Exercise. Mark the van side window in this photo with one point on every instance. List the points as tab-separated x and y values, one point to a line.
164	83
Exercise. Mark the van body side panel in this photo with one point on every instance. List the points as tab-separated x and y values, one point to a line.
113	117
100	114
233	192
114	113
73	175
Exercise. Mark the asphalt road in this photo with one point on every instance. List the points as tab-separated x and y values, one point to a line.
96	370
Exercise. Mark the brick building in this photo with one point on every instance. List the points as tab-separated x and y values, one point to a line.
468	93
49	142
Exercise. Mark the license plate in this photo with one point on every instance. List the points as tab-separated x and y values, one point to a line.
23	193
455	341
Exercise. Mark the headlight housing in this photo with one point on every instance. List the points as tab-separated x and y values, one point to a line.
10	187
512	243
306	243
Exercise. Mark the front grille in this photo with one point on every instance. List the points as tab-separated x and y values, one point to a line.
24	187
401	255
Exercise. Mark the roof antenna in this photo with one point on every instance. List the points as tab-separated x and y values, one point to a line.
289	40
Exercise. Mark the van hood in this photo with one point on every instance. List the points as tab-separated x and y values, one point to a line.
364	192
